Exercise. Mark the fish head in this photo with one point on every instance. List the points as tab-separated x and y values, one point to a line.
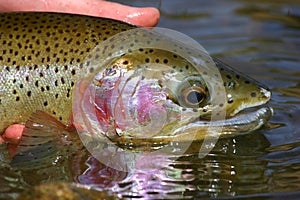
151	92
158	91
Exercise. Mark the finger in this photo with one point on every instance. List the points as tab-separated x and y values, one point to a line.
147	17
13	133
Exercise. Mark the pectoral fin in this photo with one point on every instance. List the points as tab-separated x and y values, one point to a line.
45	142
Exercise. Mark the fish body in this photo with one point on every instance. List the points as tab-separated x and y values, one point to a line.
44	55
40	61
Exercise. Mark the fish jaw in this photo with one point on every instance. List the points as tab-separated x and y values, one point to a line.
241	123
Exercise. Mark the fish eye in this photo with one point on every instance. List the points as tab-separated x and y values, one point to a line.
193	96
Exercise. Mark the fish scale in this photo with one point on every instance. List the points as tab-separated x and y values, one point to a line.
41	54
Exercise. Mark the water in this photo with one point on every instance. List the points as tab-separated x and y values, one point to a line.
261	39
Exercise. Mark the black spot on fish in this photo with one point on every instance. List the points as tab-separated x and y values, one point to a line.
253	94
62	80
92	69
73	72
68	93
228	76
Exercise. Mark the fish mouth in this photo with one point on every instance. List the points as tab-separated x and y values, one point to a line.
245	121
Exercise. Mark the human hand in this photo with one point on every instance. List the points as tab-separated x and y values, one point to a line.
147	17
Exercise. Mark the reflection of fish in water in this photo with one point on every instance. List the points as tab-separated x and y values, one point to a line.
44	55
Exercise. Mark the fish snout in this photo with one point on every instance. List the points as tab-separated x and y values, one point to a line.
265	94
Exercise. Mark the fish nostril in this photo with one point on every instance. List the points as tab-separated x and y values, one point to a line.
265	92
253	94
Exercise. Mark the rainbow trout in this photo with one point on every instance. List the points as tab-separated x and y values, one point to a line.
44	57
109	79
